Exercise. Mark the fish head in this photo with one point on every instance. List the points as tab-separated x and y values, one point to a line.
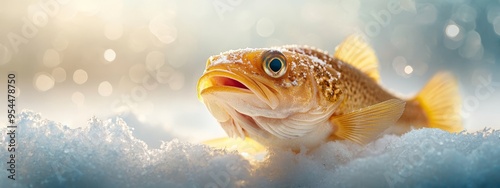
260	92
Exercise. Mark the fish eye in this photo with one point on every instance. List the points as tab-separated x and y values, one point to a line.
274	63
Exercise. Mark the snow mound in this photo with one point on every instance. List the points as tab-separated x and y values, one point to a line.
105	154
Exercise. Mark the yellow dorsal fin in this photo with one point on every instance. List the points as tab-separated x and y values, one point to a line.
364	125
356	52
440	100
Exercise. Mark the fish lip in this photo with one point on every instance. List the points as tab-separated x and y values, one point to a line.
213	81
207	84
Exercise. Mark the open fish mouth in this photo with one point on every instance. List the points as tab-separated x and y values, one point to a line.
228	82
232	91
224	81
221	80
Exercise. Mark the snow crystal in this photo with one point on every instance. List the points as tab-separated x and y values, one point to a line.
231	56
105	154
221	59
317	60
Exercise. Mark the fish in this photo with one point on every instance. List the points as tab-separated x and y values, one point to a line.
296	97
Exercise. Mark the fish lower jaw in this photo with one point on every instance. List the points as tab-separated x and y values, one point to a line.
308	142
251	129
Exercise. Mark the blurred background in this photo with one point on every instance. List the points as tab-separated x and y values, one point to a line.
140	60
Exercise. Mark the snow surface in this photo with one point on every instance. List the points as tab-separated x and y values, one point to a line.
105	154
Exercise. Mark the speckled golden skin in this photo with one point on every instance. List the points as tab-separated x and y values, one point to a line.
319	98
359	89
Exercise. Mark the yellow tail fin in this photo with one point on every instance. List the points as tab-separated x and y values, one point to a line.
440	100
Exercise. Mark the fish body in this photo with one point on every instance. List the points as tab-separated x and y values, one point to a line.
298	96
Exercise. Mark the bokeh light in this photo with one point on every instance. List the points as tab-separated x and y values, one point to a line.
105	89
78	98
109	55
496	25
80	76
125	55
452	30
162	29
408	69
265	27
59	74
43	81
472	48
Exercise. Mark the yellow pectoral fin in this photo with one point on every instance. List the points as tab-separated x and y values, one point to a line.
364	125
247	146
